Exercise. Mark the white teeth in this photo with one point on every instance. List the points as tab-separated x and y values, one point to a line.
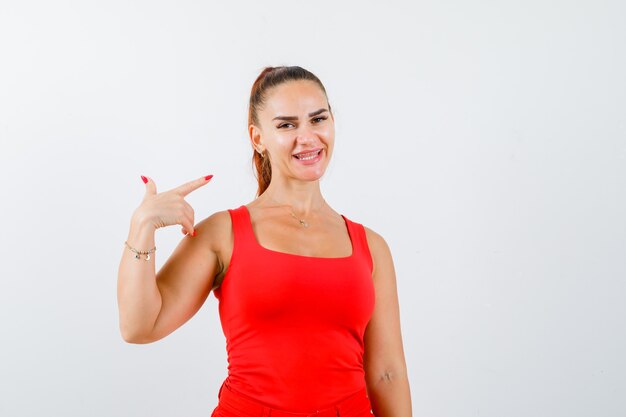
302	157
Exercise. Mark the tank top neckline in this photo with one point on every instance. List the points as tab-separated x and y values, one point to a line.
294	255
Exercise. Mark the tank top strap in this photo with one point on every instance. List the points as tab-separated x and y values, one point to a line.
242	229
359	242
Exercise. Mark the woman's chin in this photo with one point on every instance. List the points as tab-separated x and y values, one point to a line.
310	177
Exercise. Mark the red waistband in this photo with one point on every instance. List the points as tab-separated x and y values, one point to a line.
356	404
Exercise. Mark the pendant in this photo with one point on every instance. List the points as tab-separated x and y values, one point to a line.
147	257
302	222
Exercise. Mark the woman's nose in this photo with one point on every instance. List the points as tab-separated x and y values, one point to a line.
306	134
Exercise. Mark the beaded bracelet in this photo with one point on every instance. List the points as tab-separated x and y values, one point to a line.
138	252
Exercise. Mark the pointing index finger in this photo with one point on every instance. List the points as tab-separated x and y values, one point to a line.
190	186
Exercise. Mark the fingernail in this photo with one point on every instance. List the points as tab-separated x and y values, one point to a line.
208	177
145	180
194	232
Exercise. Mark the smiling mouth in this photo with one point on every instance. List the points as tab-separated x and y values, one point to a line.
307	156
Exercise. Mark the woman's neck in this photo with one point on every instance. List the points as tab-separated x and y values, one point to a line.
303	197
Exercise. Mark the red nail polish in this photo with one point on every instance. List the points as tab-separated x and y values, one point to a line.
194	232
145	180
208	177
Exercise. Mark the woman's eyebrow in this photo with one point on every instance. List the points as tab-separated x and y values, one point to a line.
315	113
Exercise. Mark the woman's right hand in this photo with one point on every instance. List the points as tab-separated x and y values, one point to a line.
169	207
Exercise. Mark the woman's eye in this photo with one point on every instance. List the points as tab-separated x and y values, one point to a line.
288	124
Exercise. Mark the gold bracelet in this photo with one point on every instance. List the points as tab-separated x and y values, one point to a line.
138	252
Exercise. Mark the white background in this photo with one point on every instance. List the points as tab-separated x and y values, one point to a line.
486	142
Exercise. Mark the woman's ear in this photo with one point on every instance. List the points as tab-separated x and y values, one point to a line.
255	138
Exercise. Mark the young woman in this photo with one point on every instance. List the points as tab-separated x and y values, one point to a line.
307	298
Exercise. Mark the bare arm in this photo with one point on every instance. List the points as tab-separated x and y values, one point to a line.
384	362
138	296
152	307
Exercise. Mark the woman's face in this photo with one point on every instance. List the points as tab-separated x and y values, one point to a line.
297	130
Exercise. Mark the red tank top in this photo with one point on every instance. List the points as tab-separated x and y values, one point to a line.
294	324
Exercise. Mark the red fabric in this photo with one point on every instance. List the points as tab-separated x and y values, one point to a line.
233	404
294	324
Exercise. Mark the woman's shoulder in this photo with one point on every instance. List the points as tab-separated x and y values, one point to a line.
373	237
218	226
378	247
219	218
215	229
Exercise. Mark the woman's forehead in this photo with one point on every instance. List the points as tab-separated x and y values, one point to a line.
295	96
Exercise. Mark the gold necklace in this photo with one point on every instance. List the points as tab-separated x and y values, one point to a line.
301	221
